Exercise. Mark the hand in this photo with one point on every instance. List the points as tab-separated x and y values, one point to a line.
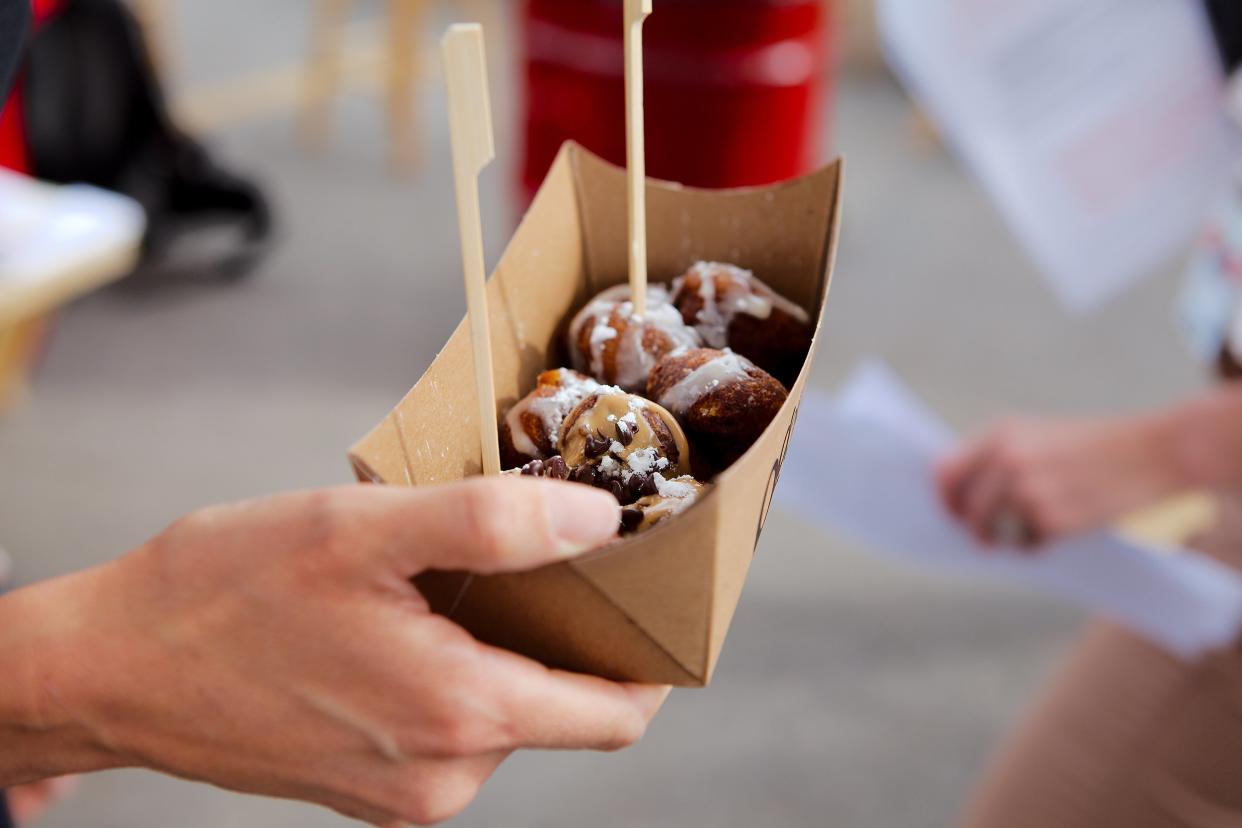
278	647
1056	478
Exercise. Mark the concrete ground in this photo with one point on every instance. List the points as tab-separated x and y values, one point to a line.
849	694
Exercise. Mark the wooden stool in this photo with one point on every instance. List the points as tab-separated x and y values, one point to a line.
155	18
402	59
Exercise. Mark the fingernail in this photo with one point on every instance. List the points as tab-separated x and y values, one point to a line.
581	518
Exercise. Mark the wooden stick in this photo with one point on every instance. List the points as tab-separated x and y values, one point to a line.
470	125
636	12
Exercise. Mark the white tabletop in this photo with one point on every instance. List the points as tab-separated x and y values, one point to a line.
58	242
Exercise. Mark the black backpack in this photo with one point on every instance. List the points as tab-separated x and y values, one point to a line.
14	21
94	113
1226	19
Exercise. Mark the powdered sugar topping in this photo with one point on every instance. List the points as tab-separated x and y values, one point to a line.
643	461
678	488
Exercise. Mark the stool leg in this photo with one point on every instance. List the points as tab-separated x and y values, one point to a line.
323	71
404	30
154	17
19	346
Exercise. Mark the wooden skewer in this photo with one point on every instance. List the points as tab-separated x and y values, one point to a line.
470	125
636	12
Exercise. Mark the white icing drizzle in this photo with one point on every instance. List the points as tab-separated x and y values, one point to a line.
601	334
633	363
743	293
724	369
550	410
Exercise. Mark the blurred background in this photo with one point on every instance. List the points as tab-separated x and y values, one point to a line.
851	692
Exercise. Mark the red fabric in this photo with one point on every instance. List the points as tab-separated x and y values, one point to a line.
734	88
44	9
12	140
12	135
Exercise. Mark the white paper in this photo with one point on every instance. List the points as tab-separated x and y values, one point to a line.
861	466
1097	126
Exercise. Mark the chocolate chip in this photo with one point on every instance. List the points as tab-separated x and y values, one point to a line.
625	433
584	474
664	441
650	487
597	445
631	519
619	492
533	469
557	468
635	484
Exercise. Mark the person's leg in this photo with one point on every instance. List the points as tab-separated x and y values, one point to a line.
1124	735
5	820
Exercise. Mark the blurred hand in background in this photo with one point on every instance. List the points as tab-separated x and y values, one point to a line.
279	647
1055	478
1058	477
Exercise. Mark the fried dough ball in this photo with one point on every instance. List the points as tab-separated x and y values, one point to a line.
723	400
672	497
608	342
621	442
532	428
732	308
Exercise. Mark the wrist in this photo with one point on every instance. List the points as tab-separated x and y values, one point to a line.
1172	459
44	731
1202	436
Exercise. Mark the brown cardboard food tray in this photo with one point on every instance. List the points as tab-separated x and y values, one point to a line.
656	607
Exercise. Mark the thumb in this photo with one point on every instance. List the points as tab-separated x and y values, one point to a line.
509	524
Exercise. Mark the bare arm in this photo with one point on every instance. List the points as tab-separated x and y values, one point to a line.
1205	438
37	739
278	647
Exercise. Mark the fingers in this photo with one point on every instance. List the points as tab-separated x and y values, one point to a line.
542	709
485	525
984	499
428	792
416	792
979	486
555	710
948	474
987	487
955	475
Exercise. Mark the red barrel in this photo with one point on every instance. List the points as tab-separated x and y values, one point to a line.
736	90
